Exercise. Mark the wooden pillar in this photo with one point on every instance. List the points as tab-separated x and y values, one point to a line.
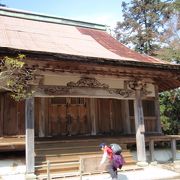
126	117
139	123
173	149
1	114
42	118
29	118
93	116
151	149
157	110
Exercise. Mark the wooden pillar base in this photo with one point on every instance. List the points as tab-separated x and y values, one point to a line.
30	176
154	163
142	164
177	166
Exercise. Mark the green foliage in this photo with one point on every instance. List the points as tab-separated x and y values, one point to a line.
177	5
144	22
170	54
170	50
15	77
170	111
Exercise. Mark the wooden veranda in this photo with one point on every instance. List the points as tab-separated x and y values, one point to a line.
17	143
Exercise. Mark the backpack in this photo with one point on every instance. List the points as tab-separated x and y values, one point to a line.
118	161
109	152
116	148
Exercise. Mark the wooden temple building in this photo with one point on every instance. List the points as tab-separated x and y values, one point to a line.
87	83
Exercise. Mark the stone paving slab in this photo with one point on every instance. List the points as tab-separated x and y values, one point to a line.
148	173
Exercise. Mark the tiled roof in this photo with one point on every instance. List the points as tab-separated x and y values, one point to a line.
26	31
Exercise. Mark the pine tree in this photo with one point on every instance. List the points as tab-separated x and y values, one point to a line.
144	22
170	50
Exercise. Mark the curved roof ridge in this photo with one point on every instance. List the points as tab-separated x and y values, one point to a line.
48	18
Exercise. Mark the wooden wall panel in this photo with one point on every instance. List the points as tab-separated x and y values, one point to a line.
36	114
46	115
132	121
61	116
148	108
150	124
1	114
74	118
10	117
53	119
117	116
104	123
110	119
149	116
21	117
92	116
84	123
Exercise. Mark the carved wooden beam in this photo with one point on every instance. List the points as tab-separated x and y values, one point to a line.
86	86
88	82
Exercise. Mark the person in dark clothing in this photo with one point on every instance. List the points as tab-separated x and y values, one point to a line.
108	157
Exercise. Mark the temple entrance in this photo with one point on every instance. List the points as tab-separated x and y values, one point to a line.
68	116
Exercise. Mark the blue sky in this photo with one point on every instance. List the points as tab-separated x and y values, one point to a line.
98	11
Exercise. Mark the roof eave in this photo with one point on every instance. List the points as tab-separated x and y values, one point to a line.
87	59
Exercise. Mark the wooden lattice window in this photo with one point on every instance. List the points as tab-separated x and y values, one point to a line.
64	100
77	101
58	100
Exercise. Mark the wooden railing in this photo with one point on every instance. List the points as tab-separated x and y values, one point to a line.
171	138
49	165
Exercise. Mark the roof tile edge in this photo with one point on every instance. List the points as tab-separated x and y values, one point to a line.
47	18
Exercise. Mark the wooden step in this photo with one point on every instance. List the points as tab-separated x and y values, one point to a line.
68	150
75	143
59	169
85	139
66	168
57	154
71	157
66	154
128	160
55	147
62	168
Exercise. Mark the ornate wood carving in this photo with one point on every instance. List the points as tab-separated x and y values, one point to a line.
123	92
136	84
88	82
55	90
139	84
